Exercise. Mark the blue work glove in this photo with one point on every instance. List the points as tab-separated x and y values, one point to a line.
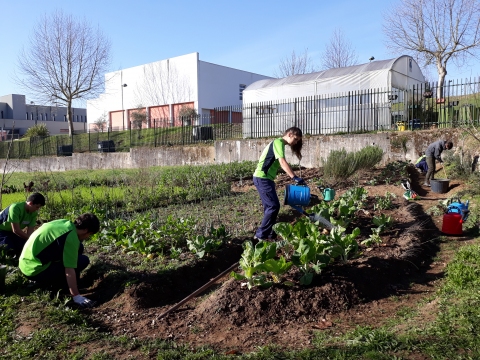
83	301
298	180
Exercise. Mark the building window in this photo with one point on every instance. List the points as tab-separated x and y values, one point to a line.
32	116
26	117
53	117
410	64
85	118
81	118
2	114
65	118
241	88
46	117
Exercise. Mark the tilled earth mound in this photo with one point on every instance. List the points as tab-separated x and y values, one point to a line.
231	316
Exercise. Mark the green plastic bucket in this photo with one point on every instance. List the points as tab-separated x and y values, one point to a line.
297	195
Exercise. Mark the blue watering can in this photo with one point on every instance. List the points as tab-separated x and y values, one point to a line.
327	193
456	206
298	196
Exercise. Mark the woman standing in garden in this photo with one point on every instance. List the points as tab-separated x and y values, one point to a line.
273	157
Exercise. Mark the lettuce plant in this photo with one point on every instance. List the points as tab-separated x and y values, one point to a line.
276	268
343	245
252	262
200	245
308	260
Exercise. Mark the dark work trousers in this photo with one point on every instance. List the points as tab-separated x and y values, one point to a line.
14	242
431	169
271	207
54	276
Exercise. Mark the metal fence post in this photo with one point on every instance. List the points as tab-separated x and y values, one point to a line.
154	133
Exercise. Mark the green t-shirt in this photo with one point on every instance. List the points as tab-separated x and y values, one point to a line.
268	164
52	242
16	213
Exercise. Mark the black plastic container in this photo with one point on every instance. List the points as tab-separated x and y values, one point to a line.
440	186
65	150
106	146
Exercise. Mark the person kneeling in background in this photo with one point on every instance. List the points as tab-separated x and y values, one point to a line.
15	218
53	255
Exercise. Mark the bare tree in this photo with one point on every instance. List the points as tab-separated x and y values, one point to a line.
7	171
65	61
294	65
188	115
339	52
436	30
139	117
101	123
162	84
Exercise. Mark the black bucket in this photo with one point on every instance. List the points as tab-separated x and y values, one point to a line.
440	186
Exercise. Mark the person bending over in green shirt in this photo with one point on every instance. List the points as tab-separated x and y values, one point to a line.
14	219
272	158
53	255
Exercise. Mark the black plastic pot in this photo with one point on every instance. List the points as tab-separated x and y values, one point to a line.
440	186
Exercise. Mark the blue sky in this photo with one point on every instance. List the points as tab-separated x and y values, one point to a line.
248	35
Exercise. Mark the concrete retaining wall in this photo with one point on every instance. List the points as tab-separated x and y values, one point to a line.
406	145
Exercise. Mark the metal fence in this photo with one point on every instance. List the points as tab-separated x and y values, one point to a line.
181	132
423	106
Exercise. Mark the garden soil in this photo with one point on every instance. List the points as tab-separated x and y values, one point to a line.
368	289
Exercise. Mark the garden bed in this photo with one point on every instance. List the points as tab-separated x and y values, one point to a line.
231	317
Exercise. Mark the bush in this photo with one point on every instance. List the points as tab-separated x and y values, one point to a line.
457	167
368	157
341	165
37	130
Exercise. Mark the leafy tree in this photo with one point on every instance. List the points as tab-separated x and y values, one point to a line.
295	65
435	32
339	52
65	61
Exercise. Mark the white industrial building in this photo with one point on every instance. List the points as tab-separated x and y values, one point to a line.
161	89
354	98
14	109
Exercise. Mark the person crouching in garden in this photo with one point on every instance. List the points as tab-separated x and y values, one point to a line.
15	218
53	255
272	158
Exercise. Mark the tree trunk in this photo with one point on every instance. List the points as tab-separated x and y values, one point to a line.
442	72
70	118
